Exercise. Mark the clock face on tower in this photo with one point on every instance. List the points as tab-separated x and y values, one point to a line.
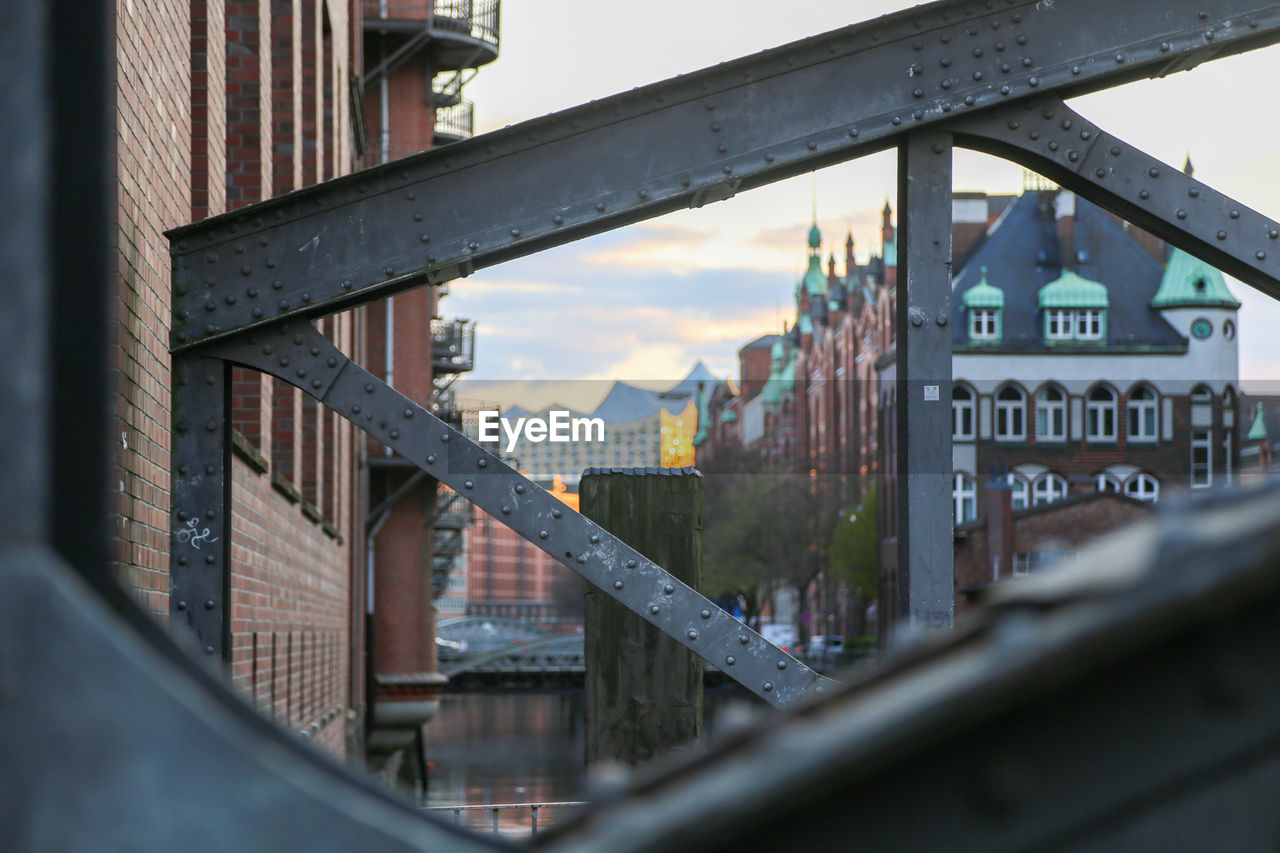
1201	328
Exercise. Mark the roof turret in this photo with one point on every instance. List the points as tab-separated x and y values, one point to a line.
1189	281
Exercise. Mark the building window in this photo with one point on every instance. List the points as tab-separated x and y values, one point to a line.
1100	415
1107	483
1074	324
1048	488
1059	324
1142	414
1227	463
1089	324
1144	487
1019	490
961	413
1028	562
1201	459
964	494
984	324
1051	414
1010	415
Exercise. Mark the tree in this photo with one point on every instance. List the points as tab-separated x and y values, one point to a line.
761	528
855	549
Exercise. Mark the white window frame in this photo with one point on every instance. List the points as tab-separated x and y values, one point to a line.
1099	415
1088	324
1060	324
1048	488
964	496
1107	483
1143	487
1202	471
1011	414
963	409
1143	413
1227	473
1019	490
1054	412
984	324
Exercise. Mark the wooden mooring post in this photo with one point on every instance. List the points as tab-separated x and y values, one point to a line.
643	689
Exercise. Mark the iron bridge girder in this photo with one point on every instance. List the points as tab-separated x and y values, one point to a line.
688	141
297	353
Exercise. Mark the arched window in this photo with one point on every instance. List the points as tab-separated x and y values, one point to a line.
1019	490
964	494
1142	414
1144	487
1107	483
1051	414
1048	488
1011	414
961	413
1100	414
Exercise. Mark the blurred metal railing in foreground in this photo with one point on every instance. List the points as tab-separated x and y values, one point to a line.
498	811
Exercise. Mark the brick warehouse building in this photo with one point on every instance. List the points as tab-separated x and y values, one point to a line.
219	104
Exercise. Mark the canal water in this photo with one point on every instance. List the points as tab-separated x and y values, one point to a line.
525	746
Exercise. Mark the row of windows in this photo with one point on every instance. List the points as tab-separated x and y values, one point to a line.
1060	324
1101	414
1046	488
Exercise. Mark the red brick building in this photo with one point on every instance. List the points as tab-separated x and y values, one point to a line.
218	104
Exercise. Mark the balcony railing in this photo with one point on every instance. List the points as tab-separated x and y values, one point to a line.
477	20
455	122
453	344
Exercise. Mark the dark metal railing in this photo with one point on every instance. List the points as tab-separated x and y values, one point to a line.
475	18
520	817
455	122
453	345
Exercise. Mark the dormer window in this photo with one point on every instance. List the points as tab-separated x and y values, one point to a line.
984	305
984	324
1075	309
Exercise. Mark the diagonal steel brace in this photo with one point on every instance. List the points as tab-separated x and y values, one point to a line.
297	353
1048	136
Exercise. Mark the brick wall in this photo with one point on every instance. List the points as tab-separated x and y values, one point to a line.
154	192
195	80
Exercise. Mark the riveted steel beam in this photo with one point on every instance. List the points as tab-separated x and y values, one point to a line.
297	353
1046	135
926	575
687	141
200	511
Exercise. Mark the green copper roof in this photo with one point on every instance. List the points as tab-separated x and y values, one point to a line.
704	417
1190	281
815	237
1258	432
771	393
815	280
728	416
778	353
806	324
891	252
1070	290
788	377
983	295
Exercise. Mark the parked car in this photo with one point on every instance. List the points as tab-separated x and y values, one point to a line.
823	649
781	635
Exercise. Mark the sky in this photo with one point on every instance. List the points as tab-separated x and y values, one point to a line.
644	303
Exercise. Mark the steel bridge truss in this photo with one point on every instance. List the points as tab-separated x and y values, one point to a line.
248	283
987	74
